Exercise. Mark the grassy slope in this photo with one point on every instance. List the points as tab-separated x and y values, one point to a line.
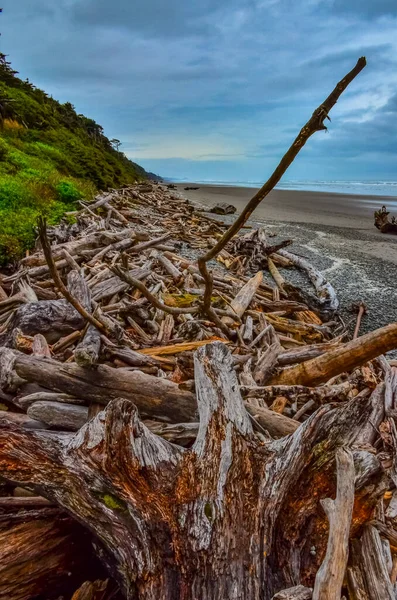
50	157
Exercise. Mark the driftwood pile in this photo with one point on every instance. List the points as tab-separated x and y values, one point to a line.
57	372
177	415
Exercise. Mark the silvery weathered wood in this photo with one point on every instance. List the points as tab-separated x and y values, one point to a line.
299	592
329	578
51	318
87	351
155	397
69	417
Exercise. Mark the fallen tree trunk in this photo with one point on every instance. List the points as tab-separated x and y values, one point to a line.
152	395
170	519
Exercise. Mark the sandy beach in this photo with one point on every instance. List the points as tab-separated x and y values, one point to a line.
335	232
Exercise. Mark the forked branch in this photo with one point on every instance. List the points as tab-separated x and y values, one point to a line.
315	123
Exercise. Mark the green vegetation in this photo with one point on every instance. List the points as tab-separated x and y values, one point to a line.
50	158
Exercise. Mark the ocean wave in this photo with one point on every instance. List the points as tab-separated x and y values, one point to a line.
366	188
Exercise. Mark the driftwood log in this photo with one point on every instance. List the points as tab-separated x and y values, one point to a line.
383	223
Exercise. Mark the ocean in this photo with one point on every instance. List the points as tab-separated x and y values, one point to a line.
361	188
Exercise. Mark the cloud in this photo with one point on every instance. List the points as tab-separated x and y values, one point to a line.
218	86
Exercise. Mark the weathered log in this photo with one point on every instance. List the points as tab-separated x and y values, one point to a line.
170	520
13	418
382	221
222	208
344	358
298	592
276	424
27	400
51	318
153	396
374	567
324	289
244	297
64	416
266	363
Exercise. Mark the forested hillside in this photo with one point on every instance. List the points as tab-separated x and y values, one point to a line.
50	157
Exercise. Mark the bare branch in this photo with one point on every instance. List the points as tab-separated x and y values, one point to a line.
315	123
58	281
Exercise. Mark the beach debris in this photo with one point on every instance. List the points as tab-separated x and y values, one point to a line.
191	188
361	309
383	223
223	208
148	339
179	402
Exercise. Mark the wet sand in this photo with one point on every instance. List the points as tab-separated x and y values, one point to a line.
335	232
297	206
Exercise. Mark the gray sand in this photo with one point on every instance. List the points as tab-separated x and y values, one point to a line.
336	233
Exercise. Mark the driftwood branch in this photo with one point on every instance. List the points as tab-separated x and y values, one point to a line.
58	281
329	578
125	276
315	123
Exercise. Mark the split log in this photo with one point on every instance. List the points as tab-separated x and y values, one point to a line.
244	297
170	519
373	566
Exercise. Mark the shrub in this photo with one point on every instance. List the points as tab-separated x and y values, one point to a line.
3	150
67	192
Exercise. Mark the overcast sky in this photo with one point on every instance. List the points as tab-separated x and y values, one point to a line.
217	89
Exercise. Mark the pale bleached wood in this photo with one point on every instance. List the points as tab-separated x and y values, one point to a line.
244	297
375	569
329	578
299	592
69	417
324	289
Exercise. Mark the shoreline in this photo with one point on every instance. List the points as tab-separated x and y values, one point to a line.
325	208
359	261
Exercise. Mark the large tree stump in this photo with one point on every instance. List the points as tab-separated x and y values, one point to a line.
232	517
